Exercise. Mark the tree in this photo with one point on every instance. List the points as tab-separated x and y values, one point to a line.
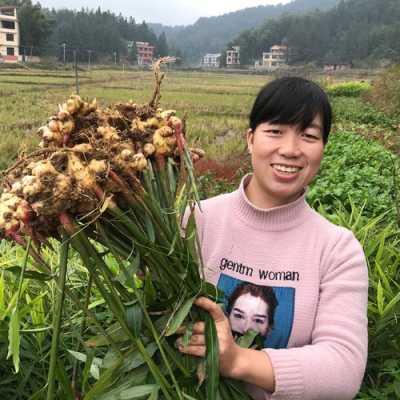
162	46
34	25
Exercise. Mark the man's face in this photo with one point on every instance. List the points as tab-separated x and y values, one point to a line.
285	159
249	313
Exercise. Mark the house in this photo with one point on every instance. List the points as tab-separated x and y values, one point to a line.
211	60
336	66
277	57
144	52
9	35
233	56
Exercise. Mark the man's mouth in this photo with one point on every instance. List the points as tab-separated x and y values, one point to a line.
287	169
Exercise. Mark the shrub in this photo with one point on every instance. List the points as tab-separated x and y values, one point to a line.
380	239
385	93
357	167
348	89
357	111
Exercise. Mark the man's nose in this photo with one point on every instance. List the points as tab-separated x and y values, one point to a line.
290	145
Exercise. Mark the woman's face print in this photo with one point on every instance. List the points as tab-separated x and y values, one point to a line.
249	313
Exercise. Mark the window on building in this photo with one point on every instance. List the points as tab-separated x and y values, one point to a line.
8	24
10	51
7	11
9	37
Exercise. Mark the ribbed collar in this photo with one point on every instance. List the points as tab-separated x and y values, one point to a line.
271	219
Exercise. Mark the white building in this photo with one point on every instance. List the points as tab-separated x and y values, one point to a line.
9	35
233	56
211	60
275	58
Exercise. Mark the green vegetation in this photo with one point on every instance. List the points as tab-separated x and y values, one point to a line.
353	31
358	187
386	93
211	34
357	170
102	32
348	89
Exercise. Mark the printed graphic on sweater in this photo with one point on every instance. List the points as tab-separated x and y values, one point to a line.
264	309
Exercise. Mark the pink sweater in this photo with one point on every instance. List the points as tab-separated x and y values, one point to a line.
318	273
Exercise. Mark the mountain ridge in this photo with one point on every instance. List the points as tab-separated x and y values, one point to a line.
212	34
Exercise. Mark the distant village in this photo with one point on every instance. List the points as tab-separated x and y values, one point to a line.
276	58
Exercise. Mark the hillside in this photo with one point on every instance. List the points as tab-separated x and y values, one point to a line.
352	31
211	34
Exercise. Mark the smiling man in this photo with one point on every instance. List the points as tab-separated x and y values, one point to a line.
320	320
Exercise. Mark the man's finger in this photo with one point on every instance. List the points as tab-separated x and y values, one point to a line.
213	308
199	327
199	351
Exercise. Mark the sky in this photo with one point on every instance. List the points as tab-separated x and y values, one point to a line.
167	12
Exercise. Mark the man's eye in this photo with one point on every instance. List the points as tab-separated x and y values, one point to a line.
310	136
259	320
238	315
273	131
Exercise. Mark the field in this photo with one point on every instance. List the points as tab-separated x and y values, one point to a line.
358	187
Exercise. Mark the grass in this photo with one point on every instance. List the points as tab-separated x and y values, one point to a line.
214	103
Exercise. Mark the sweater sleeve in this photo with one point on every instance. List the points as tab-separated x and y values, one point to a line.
333	365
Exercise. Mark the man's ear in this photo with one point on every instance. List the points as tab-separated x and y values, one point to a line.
249	138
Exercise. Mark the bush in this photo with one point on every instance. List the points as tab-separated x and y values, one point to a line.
385	93
359	112
357	167
348	89
380	239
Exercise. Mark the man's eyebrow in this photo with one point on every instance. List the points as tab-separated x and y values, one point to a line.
260	315
315	125
238	309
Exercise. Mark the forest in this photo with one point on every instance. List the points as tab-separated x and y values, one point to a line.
357	32
102	33
353	31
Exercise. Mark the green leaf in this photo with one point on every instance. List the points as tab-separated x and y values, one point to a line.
38	276
186	396
392	303
150	294
212	358
154	394
149	228
379	297
2	291
64	382
247	339
137	391
134	319
188	334
134	359
95	372
14	339
179	316
92	363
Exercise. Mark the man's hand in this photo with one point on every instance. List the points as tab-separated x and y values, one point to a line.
248	365
228	349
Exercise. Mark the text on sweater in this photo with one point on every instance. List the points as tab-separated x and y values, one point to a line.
264	274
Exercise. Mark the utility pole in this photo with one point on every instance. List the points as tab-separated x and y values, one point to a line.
64	46
89	54
76	72
115	57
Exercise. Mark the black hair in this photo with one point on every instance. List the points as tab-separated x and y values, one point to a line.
292	100
265	292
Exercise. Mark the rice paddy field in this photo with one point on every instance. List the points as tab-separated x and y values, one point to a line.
358	187
216	105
